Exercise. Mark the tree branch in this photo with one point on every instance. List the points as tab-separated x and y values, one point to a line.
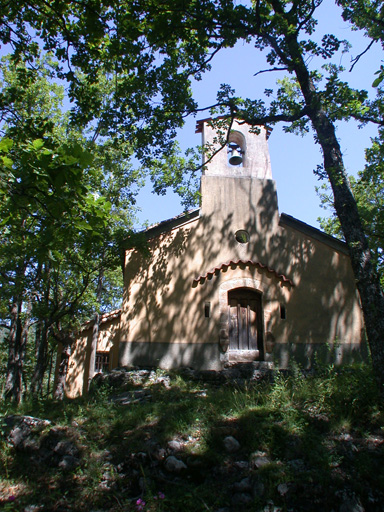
208	60
368	119
202	109
309	16
264	120
195	169
356	59
269	70
275	118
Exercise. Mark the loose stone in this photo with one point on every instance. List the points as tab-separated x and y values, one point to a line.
231	444
174	465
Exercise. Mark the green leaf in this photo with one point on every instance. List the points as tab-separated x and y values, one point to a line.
378	81
5	144
7	161
82	224
38	143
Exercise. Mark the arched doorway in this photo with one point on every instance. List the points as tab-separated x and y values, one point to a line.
245	321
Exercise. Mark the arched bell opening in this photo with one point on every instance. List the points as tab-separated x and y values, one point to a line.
236	149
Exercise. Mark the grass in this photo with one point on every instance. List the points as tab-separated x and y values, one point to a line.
321	436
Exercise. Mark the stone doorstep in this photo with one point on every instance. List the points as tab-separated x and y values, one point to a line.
243	356
248	357
255	365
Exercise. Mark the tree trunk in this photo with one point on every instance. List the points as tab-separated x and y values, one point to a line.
367	280
95	330
36	387
41	362
50	371
14	380
59	392
95	337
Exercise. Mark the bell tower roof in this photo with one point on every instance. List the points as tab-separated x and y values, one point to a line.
247	148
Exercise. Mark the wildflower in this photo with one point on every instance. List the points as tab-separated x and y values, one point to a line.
11	498
140	504
161	495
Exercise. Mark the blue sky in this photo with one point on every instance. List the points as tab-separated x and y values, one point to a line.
293	158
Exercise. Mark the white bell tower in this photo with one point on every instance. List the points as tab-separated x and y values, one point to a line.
246	192
247	147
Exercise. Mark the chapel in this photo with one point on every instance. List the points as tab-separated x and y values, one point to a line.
229	282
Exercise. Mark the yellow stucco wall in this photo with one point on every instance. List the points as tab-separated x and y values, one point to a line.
163	305
78	365
163	321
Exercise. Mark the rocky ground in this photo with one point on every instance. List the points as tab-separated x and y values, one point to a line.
140	468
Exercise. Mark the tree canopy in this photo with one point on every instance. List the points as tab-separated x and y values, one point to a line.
66	205
148	53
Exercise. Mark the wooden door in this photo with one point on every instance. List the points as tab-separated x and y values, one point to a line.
245	321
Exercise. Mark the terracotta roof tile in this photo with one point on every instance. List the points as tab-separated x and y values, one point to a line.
185	216
233	264
105	317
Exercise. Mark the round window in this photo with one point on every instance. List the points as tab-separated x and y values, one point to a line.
242	236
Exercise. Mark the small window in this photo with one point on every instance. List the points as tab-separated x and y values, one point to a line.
102	362
242	236
207	310
283	313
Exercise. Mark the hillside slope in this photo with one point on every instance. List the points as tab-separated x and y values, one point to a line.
155	441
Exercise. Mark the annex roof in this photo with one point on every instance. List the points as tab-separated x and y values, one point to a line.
104	318
175	222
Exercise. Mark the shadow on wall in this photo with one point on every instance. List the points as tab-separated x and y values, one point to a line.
311	355
323	318
203	356
163	306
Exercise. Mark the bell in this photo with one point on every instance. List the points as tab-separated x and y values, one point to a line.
236	158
